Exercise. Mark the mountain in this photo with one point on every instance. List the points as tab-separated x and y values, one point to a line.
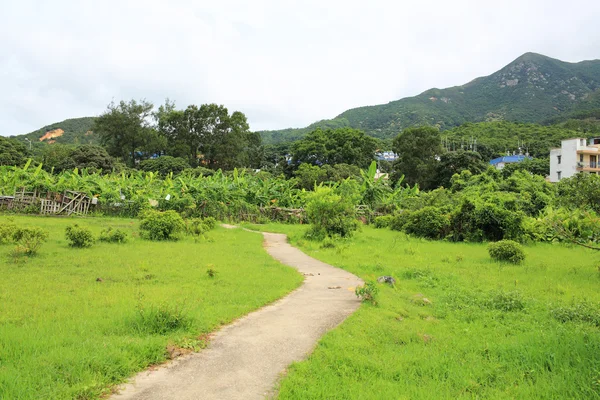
533	88
70	131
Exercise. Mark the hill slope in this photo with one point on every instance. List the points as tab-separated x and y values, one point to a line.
533	88
70	131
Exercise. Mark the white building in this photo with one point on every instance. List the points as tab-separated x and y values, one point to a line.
574	156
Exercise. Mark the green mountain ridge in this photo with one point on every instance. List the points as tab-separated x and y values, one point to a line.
75	131
531	89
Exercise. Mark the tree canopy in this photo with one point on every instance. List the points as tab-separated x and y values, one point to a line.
12	152
127	132
417	150
210	135
335	146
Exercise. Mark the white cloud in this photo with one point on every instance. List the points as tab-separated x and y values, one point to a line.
283	63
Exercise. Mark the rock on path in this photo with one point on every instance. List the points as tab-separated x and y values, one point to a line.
245	359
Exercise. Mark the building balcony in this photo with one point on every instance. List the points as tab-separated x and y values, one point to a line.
588	167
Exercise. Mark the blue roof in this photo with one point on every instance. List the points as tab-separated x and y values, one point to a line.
508	159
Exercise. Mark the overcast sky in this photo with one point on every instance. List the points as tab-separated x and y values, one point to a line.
282	63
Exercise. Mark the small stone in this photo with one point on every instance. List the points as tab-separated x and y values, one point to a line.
334	287
99	280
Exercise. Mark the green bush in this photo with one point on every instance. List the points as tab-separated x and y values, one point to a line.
330	215
196	227
78	236
507	250
399	220
210	222
157	225
111	235
428	222
368	292
7	232
29	240
383	221
479	220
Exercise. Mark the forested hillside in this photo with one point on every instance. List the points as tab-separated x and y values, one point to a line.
70	131
532	89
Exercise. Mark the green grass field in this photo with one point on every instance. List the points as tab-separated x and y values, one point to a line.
65	334
491	330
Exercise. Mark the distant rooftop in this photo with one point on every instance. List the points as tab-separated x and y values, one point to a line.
509	159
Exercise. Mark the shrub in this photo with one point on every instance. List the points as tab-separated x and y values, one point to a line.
330	215
507	250
368	292
399	220
7	232
477	220
29	240
383	221
210	222
78	236
157	225
428	222
198	226
111	235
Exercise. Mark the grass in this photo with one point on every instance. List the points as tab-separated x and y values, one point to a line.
75	322
457	324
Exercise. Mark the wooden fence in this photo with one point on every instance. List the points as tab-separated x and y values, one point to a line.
67	203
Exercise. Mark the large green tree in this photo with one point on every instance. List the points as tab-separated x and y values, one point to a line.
127	131
12	152
335	146
209	134
454	162
418	150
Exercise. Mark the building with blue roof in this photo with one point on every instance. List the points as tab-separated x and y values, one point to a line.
501	162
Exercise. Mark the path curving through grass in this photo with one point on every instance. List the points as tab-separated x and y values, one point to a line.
245	359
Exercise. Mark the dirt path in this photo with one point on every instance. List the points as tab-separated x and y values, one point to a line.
245	359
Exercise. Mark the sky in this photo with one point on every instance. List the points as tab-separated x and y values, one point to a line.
282	63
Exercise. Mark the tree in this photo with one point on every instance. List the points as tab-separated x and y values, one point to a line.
53	157
126	131
335	146
165	164
580	191
417	150
12	152
93	157
310	175
537	166
454	162
221	140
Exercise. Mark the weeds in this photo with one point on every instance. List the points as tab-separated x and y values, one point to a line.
581	312
368	292
161	319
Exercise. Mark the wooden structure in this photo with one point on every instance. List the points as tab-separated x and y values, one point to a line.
67	203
